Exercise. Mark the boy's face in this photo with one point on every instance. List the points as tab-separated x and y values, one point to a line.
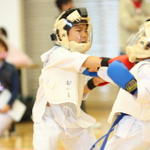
78	33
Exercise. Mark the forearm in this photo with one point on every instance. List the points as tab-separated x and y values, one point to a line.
104	61
92	63
92	83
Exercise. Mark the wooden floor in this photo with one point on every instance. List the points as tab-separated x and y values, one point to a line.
98	105
21	139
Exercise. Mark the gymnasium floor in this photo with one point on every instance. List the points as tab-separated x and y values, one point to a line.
21	139
98	105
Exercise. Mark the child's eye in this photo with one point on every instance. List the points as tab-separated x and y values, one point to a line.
78	30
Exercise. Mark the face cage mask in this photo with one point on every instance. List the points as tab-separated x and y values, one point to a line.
81	47
134	38
139	45
65	22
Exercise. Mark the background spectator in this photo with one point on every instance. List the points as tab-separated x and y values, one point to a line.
16	56
9	86
64	4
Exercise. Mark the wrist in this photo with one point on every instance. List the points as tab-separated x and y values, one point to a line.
105	61
90	84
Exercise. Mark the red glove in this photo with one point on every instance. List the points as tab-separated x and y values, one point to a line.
123	58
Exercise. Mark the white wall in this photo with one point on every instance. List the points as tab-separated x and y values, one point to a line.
10	18
104	19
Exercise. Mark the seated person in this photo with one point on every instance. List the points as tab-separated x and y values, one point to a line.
9	86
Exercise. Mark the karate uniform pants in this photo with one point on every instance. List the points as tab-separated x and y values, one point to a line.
48	133
130	134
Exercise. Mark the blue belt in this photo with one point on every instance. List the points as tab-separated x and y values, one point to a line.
106	136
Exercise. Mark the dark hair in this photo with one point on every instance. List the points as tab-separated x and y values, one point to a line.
3	32
59	3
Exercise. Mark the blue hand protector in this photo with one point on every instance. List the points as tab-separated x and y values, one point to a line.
118	72
91	74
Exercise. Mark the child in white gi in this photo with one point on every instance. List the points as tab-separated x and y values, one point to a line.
133	130
56	113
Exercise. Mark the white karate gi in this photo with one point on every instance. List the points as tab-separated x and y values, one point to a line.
133	131
61	85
